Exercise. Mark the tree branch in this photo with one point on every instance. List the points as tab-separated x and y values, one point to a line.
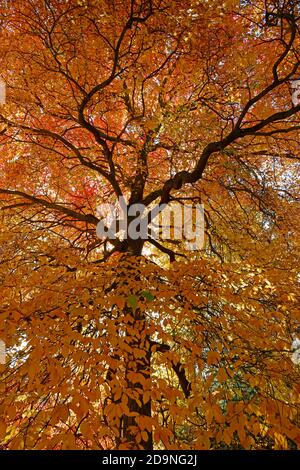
88	218
177	367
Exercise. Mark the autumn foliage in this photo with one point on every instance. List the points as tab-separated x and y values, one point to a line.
130	344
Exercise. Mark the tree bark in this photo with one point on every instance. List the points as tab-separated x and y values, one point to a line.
139	365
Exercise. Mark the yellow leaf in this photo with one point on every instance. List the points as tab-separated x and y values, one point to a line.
213	357
2	429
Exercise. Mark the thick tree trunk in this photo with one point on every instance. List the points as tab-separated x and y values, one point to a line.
138	372
135	368
138	378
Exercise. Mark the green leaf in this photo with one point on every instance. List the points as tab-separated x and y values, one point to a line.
132	301
148	296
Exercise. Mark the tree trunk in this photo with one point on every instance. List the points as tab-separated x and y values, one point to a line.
138	378
137	369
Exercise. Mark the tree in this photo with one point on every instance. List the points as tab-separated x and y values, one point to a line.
126	343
